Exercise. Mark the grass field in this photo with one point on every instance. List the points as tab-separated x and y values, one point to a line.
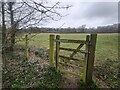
106	47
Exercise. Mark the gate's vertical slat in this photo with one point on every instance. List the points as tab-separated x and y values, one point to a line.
86	57
52	50
91	56
26	44
57	51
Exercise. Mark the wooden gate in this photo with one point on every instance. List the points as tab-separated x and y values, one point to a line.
89	54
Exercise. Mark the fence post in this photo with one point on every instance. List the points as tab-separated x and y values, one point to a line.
91	56
51	50
86	57
26	45
57	51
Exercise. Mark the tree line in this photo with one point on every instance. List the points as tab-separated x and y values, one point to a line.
82	29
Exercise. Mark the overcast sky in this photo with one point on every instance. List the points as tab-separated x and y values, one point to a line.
91	13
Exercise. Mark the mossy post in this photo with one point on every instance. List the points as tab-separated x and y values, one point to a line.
51	50
57	51
86	57
26	46
91	56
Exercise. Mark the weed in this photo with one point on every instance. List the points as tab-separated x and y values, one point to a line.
108	72
51	79
92	85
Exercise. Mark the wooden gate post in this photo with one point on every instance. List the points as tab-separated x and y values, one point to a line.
51	57
57	51
91	56
26	45
86	57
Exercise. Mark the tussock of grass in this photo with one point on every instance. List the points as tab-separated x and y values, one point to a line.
51	79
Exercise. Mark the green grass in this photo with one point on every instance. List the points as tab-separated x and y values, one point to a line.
106	47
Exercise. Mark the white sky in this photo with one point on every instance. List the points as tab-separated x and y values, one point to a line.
91	13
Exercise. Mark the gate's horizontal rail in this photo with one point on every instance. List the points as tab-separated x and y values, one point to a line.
71	41
69	49
70	65
71	58
68	72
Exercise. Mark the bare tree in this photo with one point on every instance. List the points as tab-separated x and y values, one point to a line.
3	25
20	15
10	8
3	33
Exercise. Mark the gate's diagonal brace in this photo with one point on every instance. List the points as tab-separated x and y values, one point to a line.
74	52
